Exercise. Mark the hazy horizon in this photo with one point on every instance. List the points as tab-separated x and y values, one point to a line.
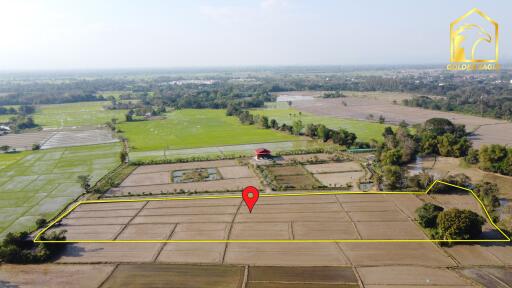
55	35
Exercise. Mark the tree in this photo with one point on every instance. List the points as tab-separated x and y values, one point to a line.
344	137
5	148
26	109
233	109
455	224
487	192
392	176
274	124
123	156
382	119
322	132
84	181
421	180
491	157
459	179
129	115
310	130
263	122
110	125
388	131
36	146
439	126
391	157
428	143
472	157
40	223
427	215
297	127
18	248
451	146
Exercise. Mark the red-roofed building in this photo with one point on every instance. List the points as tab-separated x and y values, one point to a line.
262	153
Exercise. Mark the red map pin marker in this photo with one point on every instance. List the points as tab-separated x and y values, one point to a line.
250	196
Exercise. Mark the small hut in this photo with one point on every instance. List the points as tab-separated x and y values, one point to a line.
262	153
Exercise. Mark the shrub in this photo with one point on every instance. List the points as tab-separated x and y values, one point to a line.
455	224
427	215
487	193
460	179
123	156
472	157
40	223
18	248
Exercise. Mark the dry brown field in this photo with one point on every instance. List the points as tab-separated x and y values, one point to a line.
54	275
294	176
361	216
337	174
361	105
156	179
334	167
237	276
287	170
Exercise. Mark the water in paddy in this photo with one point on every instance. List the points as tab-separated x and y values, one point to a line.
365	186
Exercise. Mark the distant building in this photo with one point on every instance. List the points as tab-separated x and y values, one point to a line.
262	153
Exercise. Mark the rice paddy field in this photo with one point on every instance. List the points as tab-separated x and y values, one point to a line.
192	128
7	159
364	130
5	118
41	183
75	114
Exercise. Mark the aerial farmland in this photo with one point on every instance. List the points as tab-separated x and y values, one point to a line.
255	144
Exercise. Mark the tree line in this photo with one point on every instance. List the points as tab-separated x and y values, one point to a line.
315	131
437	136
475	104
489	96
493	158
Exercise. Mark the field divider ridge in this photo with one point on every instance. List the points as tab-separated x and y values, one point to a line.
37	239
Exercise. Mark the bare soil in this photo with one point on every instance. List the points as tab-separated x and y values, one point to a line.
156	179
334	167
52	275
292	217
487	130
186	276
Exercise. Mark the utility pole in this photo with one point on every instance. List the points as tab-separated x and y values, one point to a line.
482	105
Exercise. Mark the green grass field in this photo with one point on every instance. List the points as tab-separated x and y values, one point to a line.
192	128
41	183
7	159
364	130
76	114
5	118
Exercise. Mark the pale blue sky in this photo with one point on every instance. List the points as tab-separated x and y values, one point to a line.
89	34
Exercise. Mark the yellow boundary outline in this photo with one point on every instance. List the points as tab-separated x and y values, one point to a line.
37	238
